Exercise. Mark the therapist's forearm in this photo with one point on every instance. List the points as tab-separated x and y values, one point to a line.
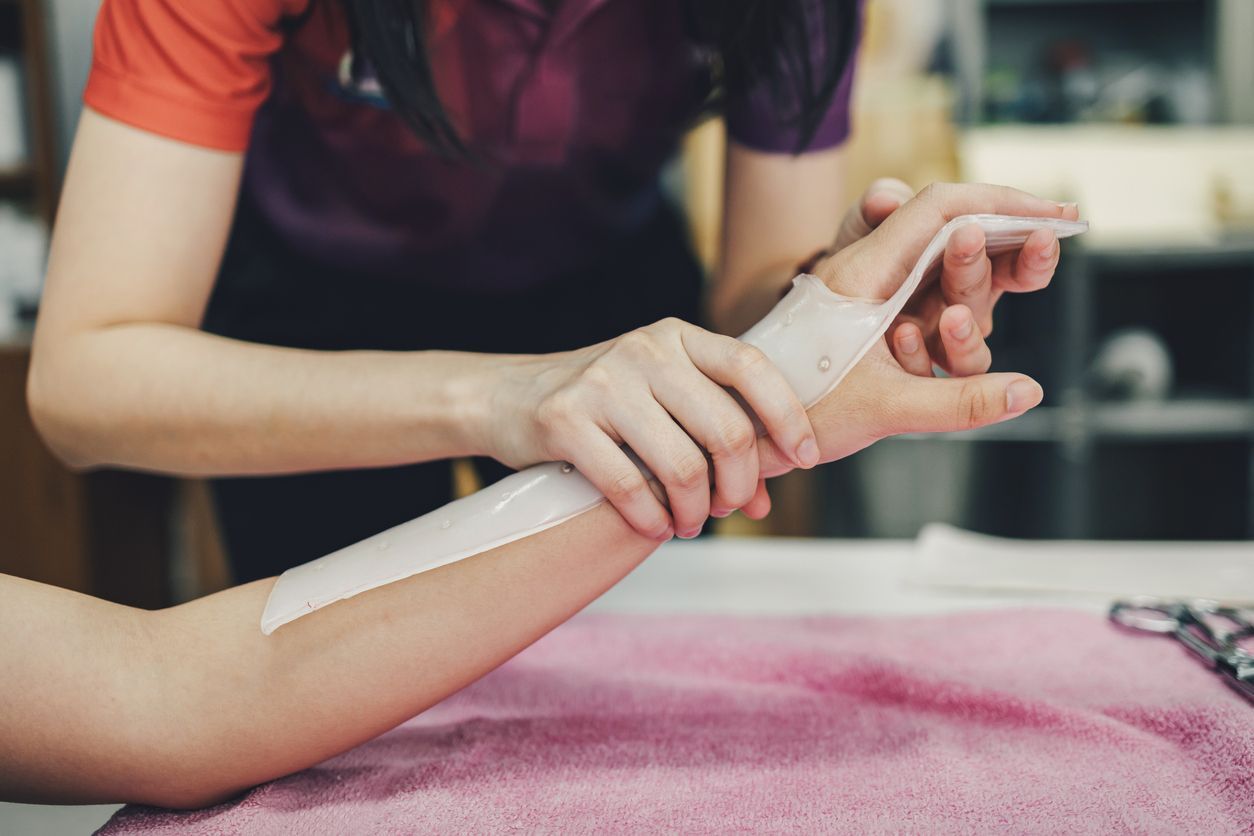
778	209
121	374
174	399
190	705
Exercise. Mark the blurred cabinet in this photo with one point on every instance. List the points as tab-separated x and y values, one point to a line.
1179	466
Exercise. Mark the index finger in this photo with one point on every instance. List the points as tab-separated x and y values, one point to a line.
746	369
876	265
966	272
880	200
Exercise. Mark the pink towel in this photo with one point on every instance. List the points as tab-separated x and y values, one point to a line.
1027	721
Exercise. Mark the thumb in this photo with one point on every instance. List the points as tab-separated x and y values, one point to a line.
953	404
881	199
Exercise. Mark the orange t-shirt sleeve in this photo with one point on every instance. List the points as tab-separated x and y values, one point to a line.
191	70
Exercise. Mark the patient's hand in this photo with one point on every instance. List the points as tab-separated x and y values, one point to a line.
893	392
947	319
879	398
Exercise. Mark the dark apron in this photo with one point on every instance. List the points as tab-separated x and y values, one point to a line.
266	293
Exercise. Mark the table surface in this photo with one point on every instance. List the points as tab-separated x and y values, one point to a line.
758	576
792	576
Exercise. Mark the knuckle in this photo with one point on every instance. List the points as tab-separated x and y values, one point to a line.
744	359
974	406
944	199
689	471
933	192
625	485
633	339
735	437
639	345
557	412
596	377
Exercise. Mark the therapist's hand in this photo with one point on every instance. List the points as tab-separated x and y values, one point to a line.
946	321
659	390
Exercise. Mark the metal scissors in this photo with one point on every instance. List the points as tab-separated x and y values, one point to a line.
1222	637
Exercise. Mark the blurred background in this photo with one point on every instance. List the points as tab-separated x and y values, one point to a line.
1142	111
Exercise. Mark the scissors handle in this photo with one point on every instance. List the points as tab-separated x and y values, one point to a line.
1192	624
1241	679
1151	615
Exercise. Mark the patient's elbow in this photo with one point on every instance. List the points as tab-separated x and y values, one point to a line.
192	772
189	797
58	415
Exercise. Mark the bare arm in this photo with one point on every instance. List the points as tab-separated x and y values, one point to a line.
777	210
190	705
122	375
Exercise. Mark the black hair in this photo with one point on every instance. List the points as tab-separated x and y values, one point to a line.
798	48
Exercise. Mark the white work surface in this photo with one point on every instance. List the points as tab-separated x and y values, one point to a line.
769	576
777	576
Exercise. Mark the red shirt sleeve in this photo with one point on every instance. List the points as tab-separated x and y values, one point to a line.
191	70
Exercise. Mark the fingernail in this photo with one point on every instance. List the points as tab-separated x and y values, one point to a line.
1022	395
720	513
964	330
908	342
669	534
1067	205
1047	254
688	535
808	453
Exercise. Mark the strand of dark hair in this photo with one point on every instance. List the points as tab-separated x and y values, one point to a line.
799	48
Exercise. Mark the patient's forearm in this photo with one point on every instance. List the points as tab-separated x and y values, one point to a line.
192	704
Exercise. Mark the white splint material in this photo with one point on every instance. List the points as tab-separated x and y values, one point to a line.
814	336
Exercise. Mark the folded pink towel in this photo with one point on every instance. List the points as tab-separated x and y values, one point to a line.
1026	721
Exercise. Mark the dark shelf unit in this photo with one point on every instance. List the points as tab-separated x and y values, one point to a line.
1078	466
